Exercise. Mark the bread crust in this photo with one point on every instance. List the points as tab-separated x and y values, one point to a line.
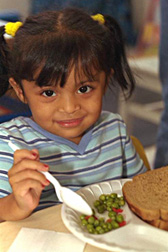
147	196
164	214
159	224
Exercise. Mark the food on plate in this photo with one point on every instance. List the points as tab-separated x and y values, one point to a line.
147	196
110	203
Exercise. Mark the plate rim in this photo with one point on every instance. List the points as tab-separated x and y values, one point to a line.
91	240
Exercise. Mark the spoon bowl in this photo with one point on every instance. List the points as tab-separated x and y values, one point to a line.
69	197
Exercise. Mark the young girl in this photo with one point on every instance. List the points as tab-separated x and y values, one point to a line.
60	64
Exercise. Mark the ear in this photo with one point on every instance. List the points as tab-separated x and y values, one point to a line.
18	90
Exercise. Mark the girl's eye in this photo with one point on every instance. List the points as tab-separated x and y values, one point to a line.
49	93
84	89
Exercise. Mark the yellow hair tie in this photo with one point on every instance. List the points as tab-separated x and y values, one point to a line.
11	28
99	18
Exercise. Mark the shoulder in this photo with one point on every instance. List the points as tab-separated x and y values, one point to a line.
24	133
16	124
15	121
16	129
110	126
109	116
108	119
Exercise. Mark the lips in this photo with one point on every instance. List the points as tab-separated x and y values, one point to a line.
70	123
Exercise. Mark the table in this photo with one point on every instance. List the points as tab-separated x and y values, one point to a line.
49	219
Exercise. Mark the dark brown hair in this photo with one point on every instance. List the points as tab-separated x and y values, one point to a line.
54	41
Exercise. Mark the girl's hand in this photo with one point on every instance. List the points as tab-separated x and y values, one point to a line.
26	181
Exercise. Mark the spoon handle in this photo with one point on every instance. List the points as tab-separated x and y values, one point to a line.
55	183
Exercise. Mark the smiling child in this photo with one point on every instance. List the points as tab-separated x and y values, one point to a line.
60	64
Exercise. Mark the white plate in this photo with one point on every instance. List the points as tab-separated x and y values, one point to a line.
136	235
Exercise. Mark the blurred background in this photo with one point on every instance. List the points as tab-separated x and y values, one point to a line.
140	22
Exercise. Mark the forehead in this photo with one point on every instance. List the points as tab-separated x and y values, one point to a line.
76	73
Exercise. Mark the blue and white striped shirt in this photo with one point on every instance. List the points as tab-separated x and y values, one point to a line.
105	152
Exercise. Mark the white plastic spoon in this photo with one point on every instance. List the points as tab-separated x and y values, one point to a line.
66	195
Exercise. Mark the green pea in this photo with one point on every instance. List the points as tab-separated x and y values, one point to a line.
91	220
109	203
114	224
101	219
113	217
102	197
109	225
113	195
119	218
84	222
82	217
101	231
89	226
121	203
95	232
96	223
104	225
112	214
97	203
101	209
107	197
91	230
109	208
115	205
98	228
116	200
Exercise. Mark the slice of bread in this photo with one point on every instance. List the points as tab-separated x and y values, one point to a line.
159	224
147	195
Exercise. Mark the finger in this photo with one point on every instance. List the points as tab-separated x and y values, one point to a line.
28	175
35	151
25	154
27	193
23	187
28	164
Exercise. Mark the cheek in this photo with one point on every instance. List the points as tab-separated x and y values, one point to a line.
40	112
94	107
97	101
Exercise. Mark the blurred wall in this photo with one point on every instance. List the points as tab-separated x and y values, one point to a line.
139	9
23	6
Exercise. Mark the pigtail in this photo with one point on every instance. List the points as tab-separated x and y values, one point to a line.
4	83
122	72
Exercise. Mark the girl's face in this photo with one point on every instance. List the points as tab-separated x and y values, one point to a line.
69	111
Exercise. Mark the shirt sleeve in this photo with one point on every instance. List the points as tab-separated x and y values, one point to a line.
132	163
6	162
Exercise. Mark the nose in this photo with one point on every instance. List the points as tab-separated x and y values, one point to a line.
69	104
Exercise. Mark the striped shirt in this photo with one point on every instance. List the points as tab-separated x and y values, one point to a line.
105	152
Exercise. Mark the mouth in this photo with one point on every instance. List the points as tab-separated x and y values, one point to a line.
70	123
